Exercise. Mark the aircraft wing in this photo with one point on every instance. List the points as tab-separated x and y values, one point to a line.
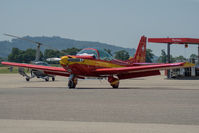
137	69
46	69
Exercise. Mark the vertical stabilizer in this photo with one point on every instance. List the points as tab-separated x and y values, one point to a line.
140	55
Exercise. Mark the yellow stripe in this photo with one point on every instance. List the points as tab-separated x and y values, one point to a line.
89	62
187	64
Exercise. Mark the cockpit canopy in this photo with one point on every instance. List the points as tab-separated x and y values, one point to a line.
96	53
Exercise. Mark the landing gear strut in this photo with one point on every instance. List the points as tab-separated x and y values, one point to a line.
72	82
114	82
46	79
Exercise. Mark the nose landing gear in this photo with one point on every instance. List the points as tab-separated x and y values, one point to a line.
72	82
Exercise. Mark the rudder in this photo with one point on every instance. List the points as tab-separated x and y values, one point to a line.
140	55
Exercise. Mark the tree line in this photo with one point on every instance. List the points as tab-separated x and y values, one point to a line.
163	58
26	56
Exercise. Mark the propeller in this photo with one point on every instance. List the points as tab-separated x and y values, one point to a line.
35	42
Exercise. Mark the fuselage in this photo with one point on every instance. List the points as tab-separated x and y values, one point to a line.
85	62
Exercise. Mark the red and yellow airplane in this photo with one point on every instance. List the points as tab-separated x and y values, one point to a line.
98	63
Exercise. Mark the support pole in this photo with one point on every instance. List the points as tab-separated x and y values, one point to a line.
168	59
198	54
37	53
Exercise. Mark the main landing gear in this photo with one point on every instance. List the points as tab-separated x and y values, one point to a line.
114	82
72	81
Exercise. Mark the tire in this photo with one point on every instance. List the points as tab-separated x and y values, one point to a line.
27	79
71	84
46	79
53	78
115	86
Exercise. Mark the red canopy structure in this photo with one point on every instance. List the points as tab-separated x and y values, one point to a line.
170	41
174	40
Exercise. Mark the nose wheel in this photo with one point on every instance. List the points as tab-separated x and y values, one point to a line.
72	82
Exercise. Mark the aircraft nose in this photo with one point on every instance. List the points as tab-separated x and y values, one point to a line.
64	60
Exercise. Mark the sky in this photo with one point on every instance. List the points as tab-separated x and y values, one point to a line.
117	22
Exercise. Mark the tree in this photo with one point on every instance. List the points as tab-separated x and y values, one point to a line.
71	51
193	56
50	53
149	55
22	56
1	59
121	55
172	59
180	59
29	55
108	51
163	57
16	55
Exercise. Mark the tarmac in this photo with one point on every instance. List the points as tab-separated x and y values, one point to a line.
151	104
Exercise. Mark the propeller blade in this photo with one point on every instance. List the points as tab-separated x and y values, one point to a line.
53	59
24	39
38	43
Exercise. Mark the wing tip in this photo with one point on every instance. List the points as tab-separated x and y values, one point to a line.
188	64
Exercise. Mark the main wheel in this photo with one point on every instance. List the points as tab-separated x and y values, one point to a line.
114	82
115	86
27	79
46	79
53	78
71	84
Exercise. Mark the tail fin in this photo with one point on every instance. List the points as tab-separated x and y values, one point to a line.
140	55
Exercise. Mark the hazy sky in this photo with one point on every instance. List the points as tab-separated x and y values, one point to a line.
117	22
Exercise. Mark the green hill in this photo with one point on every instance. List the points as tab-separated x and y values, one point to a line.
56	42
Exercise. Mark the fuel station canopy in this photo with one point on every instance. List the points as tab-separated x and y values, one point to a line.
170	41
174	40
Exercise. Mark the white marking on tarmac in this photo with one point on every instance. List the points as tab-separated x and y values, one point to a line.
38	126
